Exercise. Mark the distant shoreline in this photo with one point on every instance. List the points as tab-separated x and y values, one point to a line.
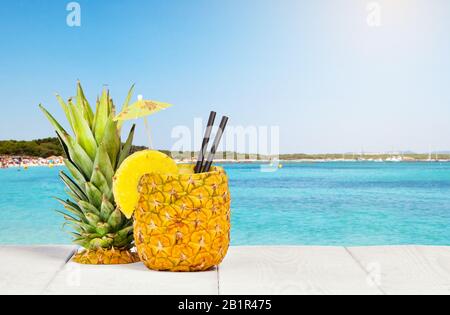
26	166
29	162
329	161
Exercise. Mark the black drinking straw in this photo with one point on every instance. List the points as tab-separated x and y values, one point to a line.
209	161
201	156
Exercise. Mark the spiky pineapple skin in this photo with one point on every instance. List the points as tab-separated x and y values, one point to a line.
182	223
106	257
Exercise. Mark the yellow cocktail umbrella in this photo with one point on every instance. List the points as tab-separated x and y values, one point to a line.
142	109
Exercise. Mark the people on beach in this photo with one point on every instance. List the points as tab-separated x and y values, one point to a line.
26	162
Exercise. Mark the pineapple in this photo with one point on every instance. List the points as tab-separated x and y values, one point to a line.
93	155
125	183
182	222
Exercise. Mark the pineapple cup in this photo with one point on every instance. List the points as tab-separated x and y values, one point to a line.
182	222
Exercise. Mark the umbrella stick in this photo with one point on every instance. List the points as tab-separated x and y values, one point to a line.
202	153
147	128
209	161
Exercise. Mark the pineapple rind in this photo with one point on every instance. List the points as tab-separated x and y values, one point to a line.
106	257
182	223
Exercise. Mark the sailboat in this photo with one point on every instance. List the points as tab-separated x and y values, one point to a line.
394	158
430	156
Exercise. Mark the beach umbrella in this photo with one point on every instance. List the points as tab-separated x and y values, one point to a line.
142	109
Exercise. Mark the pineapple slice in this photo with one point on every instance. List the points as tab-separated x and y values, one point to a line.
129	174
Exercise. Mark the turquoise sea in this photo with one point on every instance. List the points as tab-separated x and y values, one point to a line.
302	204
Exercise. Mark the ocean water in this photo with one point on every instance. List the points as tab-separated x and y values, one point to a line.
347	204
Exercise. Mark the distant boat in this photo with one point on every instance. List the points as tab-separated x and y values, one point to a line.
430	156
394	159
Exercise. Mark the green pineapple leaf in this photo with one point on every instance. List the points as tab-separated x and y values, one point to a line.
111	140
73	210
66	110
126	149
126	104
83	103
88	208
106	209
116	220
73	187
101	183
53	121
83	131
75	172
77	153
94	195
101	116
103	163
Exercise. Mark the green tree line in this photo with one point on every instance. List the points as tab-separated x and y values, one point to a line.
43	148
36	148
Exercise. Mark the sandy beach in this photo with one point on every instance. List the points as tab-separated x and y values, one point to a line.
26	162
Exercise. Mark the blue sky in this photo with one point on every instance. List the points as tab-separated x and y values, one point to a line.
315	68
